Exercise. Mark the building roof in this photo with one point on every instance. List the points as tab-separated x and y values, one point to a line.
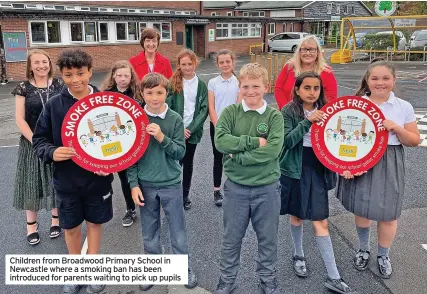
273	5
219	4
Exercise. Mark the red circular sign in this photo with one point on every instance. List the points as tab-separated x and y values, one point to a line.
107	131
351	136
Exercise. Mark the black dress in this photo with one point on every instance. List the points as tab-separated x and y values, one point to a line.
33	182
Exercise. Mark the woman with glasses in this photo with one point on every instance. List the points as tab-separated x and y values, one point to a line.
150	60
307	57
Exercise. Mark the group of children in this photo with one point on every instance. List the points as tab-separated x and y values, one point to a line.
266	155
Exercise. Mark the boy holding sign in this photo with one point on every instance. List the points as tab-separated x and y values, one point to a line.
81	195
155	180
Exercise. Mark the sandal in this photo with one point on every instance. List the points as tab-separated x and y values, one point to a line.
33	238
55	230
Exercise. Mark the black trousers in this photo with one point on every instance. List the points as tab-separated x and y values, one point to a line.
217	165
126	190
187	165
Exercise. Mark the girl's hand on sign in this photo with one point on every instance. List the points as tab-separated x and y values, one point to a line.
155	131
63	153
137	197
390	125
187	134
316	116
101	173
347	174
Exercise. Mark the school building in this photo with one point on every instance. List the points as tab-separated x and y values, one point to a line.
110	31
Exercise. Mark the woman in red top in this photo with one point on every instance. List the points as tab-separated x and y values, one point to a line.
307	57
150	60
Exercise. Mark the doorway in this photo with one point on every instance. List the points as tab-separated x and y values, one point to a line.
195	39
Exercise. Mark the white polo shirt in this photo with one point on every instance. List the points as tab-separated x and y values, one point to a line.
190	96
399	111
225	92
306	140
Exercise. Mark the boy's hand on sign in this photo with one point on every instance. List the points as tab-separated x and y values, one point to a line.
63	153
155	131
390	125
187	134
262	142
101	173
137	197
316	116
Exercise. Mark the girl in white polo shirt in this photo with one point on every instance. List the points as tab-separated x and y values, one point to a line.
377	195
223	91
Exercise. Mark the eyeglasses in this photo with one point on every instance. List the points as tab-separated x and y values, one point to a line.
305	50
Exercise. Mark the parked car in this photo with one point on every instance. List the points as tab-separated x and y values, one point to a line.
285	41
414	34
360	37
402	40
420	39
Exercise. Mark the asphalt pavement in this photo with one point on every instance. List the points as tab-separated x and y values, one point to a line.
204	220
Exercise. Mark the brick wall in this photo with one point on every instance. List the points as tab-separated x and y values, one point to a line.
103	55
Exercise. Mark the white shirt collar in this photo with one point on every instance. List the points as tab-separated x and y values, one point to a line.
161	115
191	80
260	110
226	80
391	98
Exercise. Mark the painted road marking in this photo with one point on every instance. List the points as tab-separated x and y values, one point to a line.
424	246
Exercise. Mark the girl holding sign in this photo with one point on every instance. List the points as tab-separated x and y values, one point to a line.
189	98
305	181
378	193
122	79
33	189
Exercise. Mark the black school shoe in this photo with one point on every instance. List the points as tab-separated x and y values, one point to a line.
187	204
192	280
361	260
301	269
225	288
338	286
384	267
269	288
218	198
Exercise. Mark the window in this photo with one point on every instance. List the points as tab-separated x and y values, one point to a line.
237	30
352	10
245	13
103	31
45	32
271	28
213	13
132	31
229	13
121	31
164	28
292	27
338	9
329	8
254	13
83	31
126	31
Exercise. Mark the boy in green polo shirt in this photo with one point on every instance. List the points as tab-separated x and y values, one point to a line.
155	180
250	135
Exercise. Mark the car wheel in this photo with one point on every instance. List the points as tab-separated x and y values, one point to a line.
294	48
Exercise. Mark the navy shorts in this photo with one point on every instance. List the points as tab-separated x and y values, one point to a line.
73	209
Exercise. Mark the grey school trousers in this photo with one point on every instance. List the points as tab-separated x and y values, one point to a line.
261	205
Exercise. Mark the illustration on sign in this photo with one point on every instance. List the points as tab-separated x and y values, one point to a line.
385	8
351	135
107	131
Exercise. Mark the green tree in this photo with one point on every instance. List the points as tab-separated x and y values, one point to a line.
385	5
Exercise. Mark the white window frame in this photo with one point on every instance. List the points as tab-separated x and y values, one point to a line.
45	32
338	9
353	10
245	13
292	28
347	9
270	26
99	32
126	28
229	13
151	25
229	26
329	7
213	13
285	26
82	23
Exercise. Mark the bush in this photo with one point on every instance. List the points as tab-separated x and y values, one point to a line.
379	42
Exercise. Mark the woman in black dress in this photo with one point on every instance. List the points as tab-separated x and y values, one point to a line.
33	182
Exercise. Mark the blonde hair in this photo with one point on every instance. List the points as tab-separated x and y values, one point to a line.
29	73
110	82
320	64
176	79
254	71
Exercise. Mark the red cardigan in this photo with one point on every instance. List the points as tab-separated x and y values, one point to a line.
162	65
284	87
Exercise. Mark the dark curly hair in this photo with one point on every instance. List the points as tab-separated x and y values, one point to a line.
74	58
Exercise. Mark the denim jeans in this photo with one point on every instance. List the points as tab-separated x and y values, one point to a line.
170	198
261	205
